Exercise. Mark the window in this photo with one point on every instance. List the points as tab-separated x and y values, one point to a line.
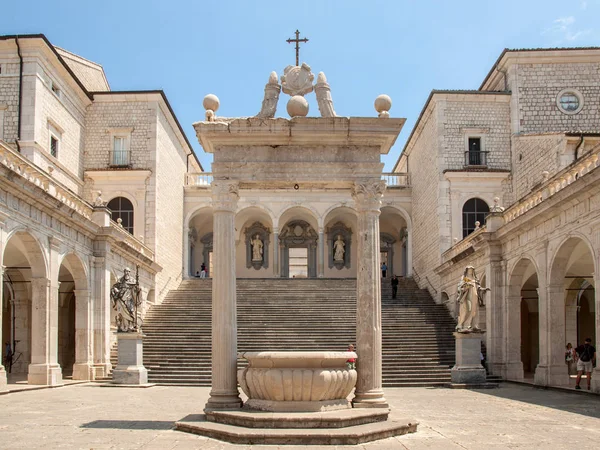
475	156
120	153
122	208
474	210
569	101
54	146
55	89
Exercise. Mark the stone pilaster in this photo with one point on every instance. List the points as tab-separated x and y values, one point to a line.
101	312
552	370
276	269
83	369
512	367
224	392
596	373
321	254
3	381
369	392
44	368
187	254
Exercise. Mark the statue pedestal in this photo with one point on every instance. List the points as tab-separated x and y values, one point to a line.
468	369
130	367
3	380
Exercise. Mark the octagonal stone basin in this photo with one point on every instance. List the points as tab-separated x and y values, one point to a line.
297	381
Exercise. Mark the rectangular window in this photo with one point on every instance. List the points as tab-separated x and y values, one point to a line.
120	152
475	156
55	89
54	146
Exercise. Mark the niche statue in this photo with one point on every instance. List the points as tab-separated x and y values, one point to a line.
126	298
257	249
470	297
338	246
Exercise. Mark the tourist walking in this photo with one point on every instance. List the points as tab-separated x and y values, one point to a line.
570	359
383	269
203	271
394	286
586	355
351	362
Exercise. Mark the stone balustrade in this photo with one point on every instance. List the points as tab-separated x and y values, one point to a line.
131	241
554	185
202	180
26	169
396	179
462	245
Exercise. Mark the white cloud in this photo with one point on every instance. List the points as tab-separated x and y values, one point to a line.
563	29
584	4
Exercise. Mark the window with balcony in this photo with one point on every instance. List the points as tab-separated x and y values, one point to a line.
120	152
475	156
474	210
122	208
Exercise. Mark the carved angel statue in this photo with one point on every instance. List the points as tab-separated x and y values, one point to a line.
269	104
469	296
338	246
257	248
126	298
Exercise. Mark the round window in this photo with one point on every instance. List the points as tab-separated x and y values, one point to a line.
569	101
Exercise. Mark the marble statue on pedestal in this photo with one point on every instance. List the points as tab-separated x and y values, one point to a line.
339	249
257	249
126	298
469	297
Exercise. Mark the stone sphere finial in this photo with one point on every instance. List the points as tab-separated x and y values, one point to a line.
383	103
477	225
297	106
211	105
120	222
545	175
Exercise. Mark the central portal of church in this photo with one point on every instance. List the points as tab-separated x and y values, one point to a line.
298	245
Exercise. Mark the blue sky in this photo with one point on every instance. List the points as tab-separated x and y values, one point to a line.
401	48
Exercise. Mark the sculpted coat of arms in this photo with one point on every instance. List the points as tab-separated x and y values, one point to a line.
297	80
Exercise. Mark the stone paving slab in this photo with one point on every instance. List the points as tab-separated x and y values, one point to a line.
87	416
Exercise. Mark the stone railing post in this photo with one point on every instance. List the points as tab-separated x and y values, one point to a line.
83	369
224	392
369	392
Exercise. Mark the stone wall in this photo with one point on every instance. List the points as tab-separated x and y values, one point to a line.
537	87
9	100
105	115
424	166
169	174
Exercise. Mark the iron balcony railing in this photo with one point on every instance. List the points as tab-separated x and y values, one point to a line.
475	158
119	158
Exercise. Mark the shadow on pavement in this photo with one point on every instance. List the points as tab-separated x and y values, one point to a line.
131	424
573	402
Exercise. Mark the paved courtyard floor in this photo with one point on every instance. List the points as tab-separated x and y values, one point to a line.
87	416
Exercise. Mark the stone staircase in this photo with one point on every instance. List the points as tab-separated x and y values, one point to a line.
298	314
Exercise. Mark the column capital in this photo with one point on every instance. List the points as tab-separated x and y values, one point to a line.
368	194
225	195
275	230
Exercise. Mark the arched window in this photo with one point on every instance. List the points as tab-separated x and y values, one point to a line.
121	208
474	210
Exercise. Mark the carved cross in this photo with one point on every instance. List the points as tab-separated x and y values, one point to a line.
297	41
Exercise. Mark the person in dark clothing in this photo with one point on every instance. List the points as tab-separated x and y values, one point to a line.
394	286
203	271
383	269
586	355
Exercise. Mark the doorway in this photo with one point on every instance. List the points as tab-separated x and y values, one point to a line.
298	262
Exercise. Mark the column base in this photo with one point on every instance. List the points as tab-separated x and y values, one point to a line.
512	371
102	370
595	380
225	401
83	371
551	375
45	374
371	399
3	380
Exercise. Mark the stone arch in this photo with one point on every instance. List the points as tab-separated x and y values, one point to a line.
301	212
252	213
79	270
32	249
194	212
564	251
468	218
340	220
522	318
198	224
404	239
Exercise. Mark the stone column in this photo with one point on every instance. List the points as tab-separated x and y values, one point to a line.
3	380
224	392
552	370
276	269
513	366
369	392
44	368
83	369
321	254
101	314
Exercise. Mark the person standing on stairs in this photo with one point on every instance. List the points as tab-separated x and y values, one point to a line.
383	269
203	271
394	286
